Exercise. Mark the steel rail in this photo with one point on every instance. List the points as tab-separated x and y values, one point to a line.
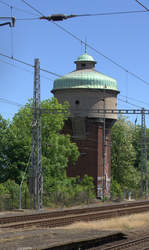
89	216
129	243
45	215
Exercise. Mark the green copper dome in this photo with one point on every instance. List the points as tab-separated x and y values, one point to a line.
85	57
85	76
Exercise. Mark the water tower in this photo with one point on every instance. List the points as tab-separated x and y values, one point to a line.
87	91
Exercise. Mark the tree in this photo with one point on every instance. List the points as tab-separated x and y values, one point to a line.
123	155
4	169
137	144
57	149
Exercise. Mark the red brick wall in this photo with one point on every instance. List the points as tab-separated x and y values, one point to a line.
90	161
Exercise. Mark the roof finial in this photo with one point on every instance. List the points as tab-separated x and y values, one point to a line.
81	46
85	45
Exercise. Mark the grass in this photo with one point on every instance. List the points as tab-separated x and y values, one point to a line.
123	223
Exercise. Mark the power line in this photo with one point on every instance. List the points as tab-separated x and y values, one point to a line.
92	48
22	10
44	70
16	66
132	104
21	105
10	102
61	17
142	5
131	98
33	8
27	19
5	4
113	13
28	64
101	54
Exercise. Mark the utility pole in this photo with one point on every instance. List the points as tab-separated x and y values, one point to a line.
36	179
143	157
104	146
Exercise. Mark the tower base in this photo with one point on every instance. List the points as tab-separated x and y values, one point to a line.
92	150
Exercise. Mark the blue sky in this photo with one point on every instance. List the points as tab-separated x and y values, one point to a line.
123	38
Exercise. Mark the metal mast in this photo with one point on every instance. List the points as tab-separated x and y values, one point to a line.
143	160
104	147
36	179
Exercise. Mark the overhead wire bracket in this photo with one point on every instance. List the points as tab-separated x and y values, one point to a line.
11	24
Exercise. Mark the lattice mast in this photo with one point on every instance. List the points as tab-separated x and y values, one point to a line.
104	147
36	179
143	160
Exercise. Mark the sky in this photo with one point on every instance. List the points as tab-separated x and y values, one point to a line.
123	38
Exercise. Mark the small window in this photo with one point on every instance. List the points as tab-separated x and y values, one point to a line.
77	102
78	127
83	64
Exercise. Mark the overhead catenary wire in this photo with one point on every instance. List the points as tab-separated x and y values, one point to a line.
55	74
10	102
33	8
142	5
6	4
101	54
5	100
83	15
23	177
52	17
28	19
80	15
21	10
28	64
13	65
20	68
112	13
62	17
89	46
85	44
137	106
134	99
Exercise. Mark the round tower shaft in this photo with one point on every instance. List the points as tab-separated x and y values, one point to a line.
87	91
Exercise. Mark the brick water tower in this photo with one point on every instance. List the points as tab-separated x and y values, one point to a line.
87	91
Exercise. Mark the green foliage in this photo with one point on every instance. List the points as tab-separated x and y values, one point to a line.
136	144
9	195
57	149
10	192
123	155
57	152
69	191
4	173
116	190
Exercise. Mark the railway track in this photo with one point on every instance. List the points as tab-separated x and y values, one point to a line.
61	218
131	244
45	215
100	243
